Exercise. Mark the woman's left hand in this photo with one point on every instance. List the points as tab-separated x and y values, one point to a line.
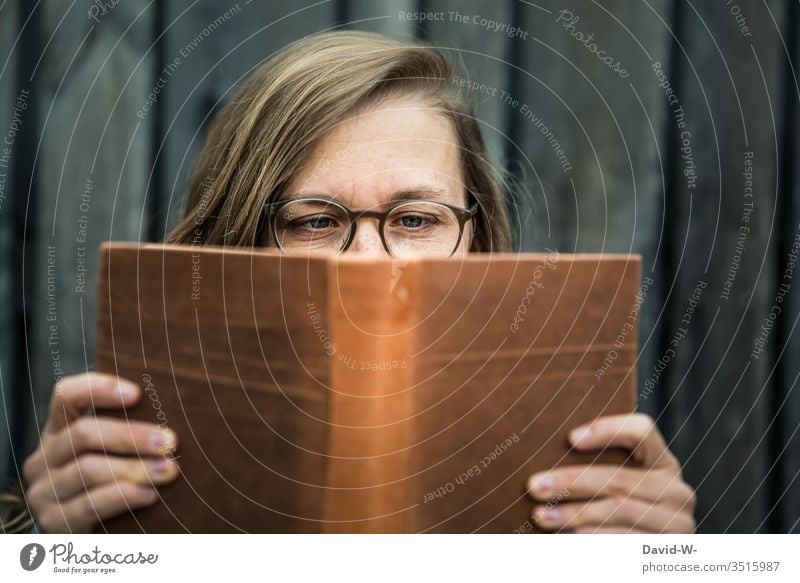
651	497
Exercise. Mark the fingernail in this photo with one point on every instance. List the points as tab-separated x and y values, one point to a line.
126	389
161	466
580	435
542	483
162	438
548	514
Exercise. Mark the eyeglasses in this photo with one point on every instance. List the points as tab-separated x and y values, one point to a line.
409	228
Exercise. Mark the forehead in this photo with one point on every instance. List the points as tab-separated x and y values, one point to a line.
394	146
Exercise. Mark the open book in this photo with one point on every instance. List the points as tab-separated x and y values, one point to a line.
351	394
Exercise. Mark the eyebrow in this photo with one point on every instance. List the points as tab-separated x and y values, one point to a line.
416	193
421	193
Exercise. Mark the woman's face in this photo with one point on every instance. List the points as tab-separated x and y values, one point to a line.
401	150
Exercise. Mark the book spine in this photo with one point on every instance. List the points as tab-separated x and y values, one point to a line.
371	316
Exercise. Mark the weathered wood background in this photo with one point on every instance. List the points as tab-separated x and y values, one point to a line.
637	174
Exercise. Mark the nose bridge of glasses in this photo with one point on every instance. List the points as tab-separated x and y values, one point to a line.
367	214
366	238
376	221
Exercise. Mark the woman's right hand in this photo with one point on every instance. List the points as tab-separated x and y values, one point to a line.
89	468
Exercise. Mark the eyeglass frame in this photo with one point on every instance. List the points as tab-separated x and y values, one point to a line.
463	215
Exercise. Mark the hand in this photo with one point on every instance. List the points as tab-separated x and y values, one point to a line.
649	498
90	468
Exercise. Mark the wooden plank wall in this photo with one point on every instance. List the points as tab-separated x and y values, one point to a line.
608	158
719	415
785	449
9	393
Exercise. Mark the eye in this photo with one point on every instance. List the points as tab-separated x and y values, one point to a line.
412	221
415	221
317	222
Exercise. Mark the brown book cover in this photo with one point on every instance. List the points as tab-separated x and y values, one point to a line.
353	394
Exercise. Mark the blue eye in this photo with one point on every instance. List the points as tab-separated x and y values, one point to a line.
412	222
314	223
319	222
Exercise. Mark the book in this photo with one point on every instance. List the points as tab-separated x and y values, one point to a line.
343	393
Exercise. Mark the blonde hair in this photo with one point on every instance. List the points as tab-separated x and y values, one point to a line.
266	133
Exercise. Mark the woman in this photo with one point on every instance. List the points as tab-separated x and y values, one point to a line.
339	121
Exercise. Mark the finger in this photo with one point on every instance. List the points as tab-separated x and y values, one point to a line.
90	433
636	432
613	512
604	480
81	513
73	395
92	471
608	530
107	435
